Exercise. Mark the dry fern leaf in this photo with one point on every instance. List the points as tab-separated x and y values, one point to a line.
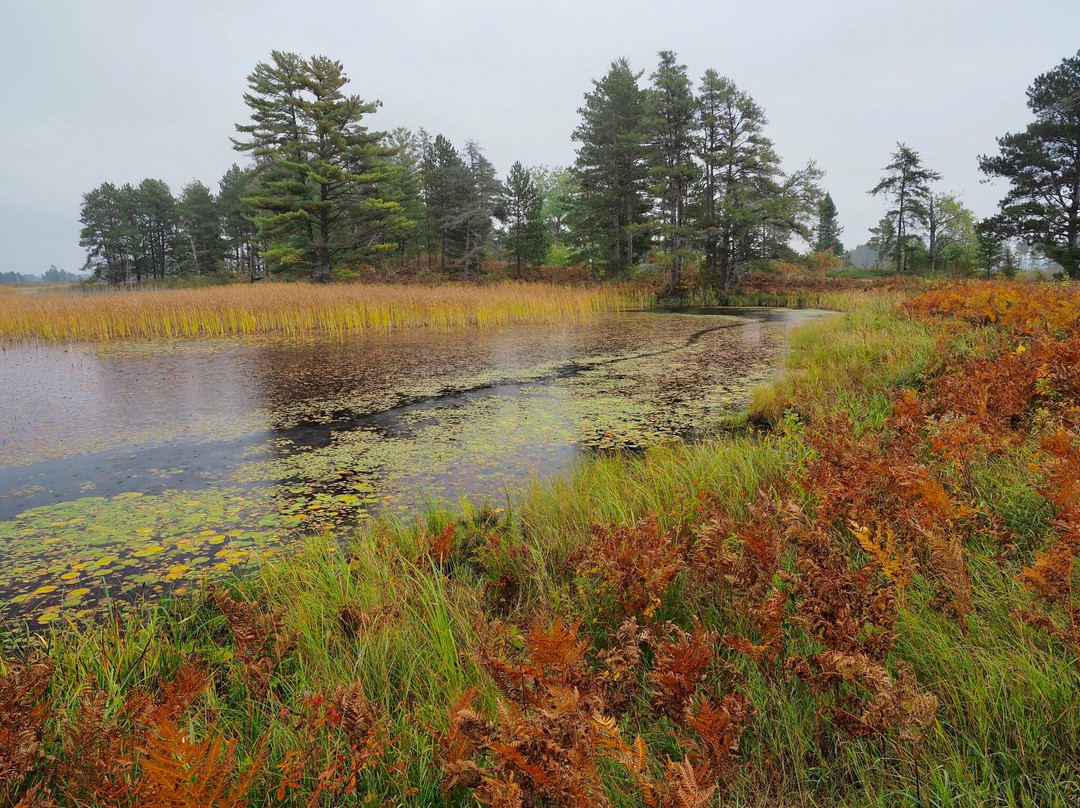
180	773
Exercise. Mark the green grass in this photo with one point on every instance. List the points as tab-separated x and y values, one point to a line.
851	364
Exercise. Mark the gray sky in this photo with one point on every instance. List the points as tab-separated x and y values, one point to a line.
117	91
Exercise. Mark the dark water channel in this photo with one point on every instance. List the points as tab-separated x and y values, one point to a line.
141	468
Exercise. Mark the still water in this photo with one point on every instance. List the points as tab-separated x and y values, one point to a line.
135	469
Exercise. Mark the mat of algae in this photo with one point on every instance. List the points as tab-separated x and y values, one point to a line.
138	469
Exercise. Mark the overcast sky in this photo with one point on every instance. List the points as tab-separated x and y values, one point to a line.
118	91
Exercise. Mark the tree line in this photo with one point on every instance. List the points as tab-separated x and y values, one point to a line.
50	275
134	233
667	174
664	175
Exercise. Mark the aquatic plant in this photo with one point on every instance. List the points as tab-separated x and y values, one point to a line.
295	309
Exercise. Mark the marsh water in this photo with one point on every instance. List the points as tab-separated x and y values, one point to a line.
134	469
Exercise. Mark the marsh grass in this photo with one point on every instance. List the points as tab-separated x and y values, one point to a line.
1006	732
852	363
294	309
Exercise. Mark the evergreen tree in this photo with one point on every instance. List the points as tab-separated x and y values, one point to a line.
1042	165
200	247
671	118
447	186
428	230
276	141
991	247
882	241
155	218
611	170
907	183
746	206
320	171
403	186
109	232
525	237
828	227
237	223
482	203
791	210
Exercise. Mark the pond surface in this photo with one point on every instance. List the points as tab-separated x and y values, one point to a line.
135	469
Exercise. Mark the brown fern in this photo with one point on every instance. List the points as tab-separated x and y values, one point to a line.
679	664
262	641
557	652
718	727
621	667
632	566
454	748
179	772
768	620
97	767
24	708
441	546
683	788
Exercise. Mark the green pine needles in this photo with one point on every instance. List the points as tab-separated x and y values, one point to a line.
319	173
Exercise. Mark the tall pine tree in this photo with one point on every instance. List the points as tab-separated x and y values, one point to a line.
482	202
1042	165
237	224
447	188
200	247
320	171
611	170
525	237
671	121
741	178
907	184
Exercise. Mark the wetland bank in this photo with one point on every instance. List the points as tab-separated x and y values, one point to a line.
136	468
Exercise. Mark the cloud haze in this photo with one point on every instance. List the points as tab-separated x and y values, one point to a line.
118	91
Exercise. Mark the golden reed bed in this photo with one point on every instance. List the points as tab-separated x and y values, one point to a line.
292	309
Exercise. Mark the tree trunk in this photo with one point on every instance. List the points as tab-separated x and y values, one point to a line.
194	254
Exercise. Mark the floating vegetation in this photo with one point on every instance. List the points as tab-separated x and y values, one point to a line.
73	556
294	309
268	440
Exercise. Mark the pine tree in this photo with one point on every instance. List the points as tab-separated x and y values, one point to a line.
237	224
155	218
907	183
742	179
1042	165
109	232
403	186
482	204
525	237
447	187
828	228
882	241
611	170
200	245
670	118
320	170
991	247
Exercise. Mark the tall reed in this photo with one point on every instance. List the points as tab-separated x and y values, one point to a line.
293	309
